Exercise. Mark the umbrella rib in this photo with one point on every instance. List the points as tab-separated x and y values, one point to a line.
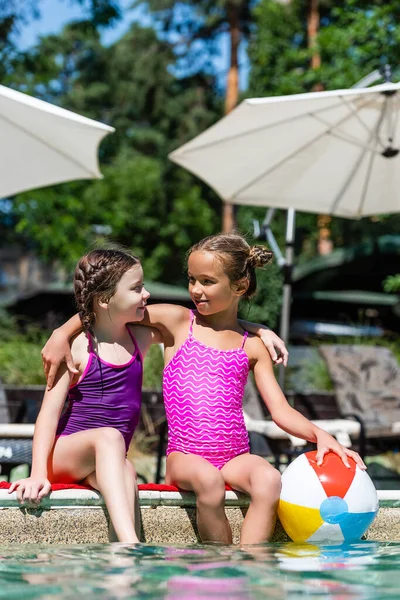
366	182
372	158
354	142
258	129
345	137
40	140
395	100
356	114
283	160
397	116
339	196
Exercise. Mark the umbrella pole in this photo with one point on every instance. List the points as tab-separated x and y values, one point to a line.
287	284
289	242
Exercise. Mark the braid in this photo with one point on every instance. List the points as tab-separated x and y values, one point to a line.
96	276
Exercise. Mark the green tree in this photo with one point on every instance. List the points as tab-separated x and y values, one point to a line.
196	28
102	13
13	15
355	37
392	284
360	37
143	201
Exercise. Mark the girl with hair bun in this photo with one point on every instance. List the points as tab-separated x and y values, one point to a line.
207	364
208	355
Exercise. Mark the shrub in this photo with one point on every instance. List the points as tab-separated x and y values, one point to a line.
20	360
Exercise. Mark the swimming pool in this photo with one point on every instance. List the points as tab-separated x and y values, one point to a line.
366	570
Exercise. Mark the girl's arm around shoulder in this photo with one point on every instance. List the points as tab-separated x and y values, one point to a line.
167	319
145	336
57	349
271	341
286	417
268	387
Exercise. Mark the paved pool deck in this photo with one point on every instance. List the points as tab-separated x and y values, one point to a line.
75	516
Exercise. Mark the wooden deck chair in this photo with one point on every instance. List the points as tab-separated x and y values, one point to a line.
346	428
367	384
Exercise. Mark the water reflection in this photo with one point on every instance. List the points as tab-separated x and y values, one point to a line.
365	570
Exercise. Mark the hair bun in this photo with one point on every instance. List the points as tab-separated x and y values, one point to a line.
259	256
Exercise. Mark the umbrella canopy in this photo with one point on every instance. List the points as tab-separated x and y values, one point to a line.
43	144
331	152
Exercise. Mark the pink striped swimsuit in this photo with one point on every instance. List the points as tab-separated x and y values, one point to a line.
203	391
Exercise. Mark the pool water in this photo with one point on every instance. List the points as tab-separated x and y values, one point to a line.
366	570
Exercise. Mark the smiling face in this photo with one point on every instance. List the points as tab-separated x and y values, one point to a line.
209	286
130	298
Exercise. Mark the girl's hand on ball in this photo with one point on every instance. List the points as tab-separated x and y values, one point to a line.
327	443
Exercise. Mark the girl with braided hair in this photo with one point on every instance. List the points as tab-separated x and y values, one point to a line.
208	355
88	443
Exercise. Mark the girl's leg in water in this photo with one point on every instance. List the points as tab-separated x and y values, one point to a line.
99	452
262	482
194	473
133	495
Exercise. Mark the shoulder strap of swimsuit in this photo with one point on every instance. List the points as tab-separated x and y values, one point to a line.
191	323
137	350
90	341
246	334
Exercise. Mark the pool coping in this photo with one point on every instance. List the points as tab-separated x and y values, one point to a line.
73	498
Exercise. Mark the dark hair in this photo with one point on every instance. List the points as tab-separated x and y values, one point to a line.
238	259
97	275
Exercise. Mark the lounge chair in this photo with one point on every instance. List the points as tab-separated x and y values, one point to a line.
15	438
367	384
267	439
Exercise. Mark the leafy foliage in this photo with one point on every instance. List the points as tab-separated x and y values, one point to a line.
355	38
143	202
392	284
195	27
153	369
159	88
20	359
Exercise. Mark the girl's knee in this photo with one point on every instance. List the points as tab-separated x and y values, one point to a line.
266	483
110	436
210	488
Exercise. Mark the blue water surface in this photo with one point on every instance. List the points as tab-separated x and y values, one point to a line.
365	570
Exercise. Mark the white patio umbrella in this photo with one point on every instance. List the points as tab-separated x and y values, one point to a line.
43	144
326	152
334	152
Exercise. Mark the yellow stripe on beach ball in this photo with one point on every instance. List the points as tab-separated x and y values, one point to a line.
299	522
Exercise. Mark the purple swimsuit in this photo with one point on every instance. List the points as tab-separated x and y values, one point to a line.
203	392
107	395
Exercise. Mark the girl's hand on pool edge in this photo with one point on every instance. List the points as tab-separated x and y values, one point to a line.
327	443
31	489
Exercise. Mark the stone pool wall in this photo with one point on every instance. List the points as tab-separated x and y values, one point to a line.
79	516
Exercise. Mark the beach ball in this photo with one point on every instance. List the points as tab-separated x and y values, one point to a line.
330	502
